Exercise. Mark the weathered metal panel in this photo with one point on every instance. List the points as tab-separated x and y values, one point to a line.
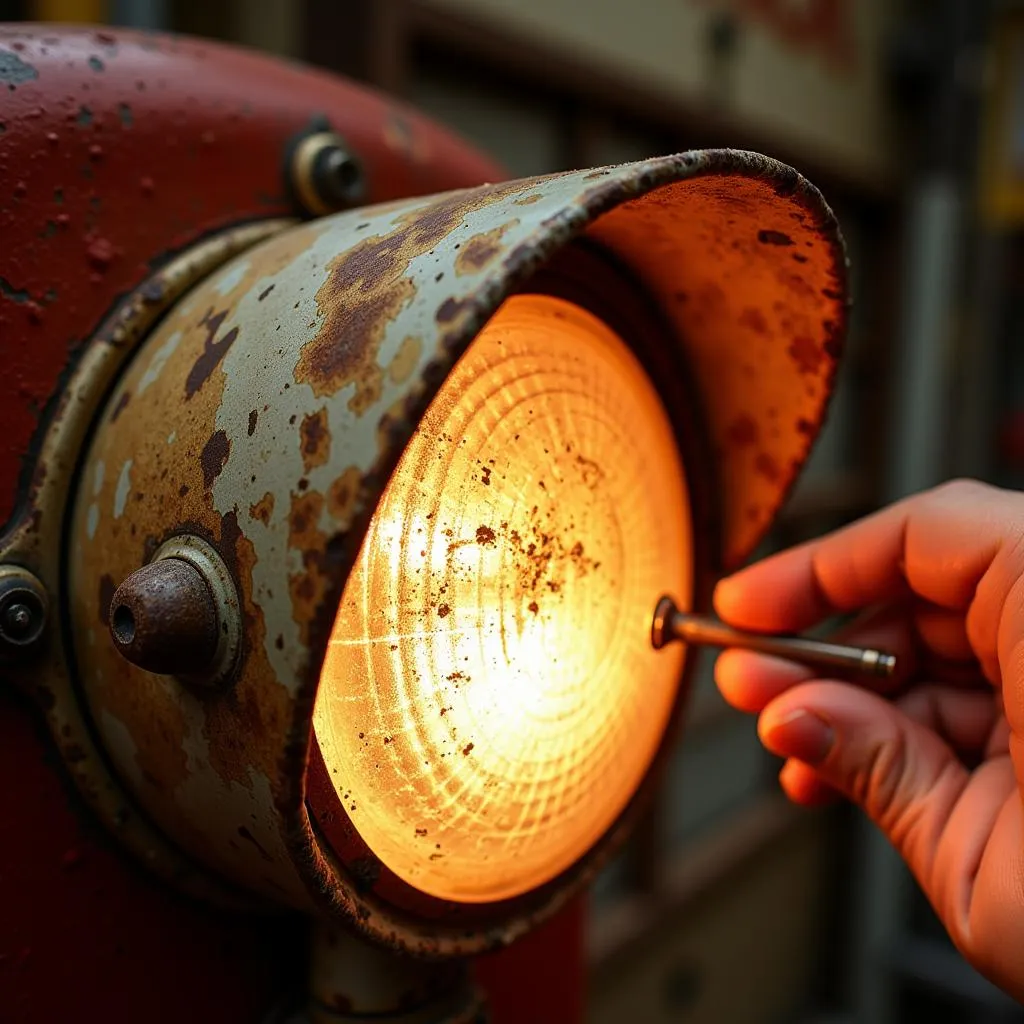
117	150
119	147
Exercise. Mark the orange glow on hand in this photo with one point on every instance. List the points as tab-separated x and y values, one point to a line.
490	700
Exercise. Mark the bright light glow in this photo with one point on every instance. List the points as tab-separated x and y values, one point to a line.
490	699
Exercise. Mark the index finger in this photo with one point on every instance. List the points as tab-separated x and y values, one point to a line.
938	544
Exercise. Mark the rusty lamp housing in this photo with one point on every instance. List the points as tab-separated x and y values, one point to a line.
229	436
254	431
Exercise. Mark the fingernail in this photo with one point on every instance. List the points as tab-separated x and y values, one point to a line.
799	734
724	600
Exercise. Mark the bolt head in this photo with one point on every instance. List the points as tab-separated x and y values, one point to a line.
18	620
338	177
22	612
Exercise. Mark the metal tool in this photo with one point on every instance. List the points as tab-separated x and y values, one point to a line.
671	624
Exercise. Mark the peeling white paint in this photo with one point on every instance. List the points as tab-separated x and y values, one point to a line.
273	454
119	742
158	362
97	476
233	806
230	279
124	486
92	520
172	437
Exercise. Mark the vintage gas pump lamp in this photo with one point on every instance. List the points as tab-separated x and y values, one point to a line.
349	484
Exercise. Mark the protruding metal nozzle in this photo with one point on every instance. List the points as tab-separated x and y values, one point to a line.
179	615
163	618
671	624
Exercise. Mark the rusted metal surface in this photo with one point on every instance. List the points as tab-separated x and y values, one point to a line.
220	587
755	280
118	148
353	981
87	935
163	619
268	409
35	543
117	151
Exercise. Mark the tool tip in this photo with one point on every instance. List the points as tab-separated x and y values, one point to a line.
661	625
879	663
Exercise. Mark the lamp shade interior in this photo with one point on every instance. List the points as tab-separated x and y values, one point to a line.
490	699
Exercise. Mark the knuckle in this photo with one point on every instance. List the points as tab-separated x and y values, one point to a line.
1014	554
958	497
1009	645
901	796
964	488
878	779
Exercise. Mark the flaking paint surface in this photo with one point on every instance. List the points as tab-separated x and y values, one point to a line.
749	280
189	754
118	147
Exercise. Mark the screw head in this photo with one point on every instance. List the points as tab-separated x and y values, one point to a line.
23	611
18	620
337	177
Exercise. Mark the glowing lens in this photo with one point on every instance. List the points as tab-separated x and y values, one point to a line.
490	699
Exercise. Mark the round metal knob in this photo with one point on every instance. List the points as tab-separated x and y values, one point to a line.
163	618
179	615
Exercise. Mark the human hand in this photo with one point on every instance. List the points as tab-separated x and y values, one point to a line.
935	756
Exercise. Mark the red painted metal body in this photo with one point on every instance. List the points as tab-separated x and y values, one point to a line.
116	150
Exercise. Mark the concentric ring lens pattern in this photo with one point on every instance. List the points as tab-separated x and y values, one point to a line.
490	700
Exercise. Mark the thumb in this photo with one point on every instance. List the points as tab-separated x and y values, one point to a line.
902	774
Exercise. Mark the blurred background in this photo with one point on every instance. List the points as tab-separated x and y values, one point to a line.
731	906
